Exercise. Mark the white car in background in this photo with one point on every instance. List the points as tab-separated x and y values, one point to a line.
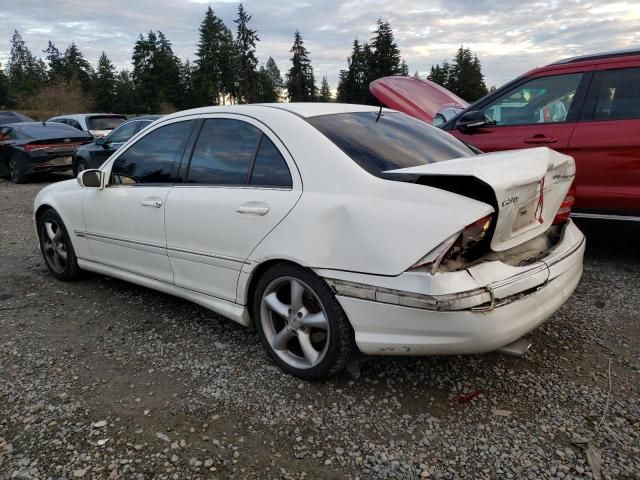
97	124
330	227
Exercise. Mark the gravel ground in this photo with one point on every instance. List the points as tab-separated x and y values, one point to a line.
103	379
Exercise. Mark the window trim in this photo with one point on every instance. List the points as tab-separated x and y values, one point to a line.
573	115
183	180
591	101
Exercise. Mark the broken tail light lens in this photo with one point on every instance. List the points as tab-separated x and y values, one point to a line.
458	245
565	207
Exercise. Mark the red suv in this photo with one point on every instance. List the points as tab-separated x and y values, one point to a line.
587	107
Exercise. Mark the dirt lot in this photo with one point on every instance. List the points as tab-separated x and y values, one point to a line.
103	379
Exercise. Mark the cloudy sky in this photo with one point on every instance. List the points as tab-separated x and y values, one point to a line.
509	36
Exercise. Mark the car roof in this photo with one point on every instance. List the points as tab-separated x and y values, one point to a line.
80	116
302	110
598	56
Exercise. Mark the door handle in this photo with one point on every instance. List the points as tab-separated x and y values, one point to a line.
540	139
253	208
151	202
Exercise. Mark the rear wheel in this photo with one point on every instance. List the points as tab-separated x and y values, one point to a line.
14	171
301	324
56	247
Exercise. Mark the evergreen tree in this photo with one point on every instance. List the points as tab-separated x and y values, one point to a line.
25	73
186	99
353	86
54	63
301	85
105	85
75	66
214	76
463	77
156	73
466	79
325	91
385	57
124	94
271	84
404	68
246	38
4	90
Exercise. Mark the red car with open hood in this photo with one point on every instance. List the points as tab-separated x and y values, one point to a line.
587	107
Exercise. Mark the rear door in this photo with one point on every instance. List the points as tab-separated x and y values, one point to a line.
240	183
606	143
538	111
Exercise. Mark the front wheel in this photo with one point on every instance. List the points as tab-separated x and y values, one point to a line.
80	166
301	324
56	247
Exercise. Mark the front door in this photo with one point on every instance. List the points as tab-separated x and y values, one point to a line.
239	185
541	112
124	222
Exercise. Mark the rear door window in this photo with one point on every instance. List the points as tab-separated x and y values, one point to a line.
270	168
619	95
224	152
151	160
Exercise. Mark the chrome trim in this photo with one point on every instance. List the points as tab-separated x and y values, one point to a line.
205	254
601	216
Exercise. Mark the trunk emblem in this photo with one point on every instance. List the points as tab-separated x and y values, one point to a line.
67	140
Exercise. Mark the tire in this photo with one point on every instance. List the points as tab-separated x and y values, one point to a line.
56	247
14	171
300	322
79	166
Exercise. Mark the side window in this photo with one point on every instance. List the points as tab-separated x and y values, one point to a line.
6	133
150	159
74	123
270	169
541	100
123	133
619	95
223	153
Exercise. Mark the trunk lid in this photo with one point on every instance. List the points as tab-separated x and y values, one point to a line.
529	186
421	99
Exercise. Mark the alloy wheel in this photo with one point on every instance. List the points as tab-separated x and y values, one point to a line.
54	246
294	322
13	170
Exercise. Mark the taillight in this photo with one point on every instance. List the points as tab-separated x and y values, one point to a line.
565	207
29	147
456	246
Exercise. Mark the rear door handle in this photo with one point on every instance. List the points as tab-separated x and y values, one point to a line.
253	208
540	139
151	202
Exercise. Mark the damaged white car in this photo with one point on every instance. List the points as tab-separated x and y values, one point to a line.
329	227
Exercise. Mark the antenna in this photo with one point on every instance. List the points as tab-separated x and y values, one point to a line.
379	114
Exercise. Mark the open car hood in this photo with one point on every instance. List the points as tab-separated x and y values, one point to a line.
421	99
529	186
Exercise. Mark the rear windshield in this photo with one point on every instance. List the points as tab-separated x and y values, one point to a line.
104	123
391	141
49	130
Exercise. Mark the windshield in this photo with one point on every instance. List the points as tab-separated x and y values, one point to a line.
104	123
392	141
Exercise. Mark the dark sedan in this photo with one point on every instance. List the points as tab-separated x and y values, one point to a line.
7	116
94	154
33	147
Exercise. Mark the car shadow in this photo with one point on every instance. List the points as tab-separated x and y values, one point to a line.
612	240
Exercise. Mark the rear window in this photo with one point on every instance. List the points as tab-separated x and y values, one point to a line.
49	130
104	123
389	142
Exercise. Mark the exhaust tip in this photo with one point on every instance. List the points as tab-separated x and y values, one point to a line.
517	348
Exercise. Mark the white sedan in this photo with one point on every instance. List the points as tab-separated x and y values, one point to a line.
329	227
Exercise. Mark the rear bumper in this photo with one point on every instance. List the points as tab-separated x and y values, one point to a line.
47	164
474	321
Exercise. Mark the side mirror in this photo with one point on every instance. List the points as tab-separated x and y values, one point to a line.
472	119
90	178
101	140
